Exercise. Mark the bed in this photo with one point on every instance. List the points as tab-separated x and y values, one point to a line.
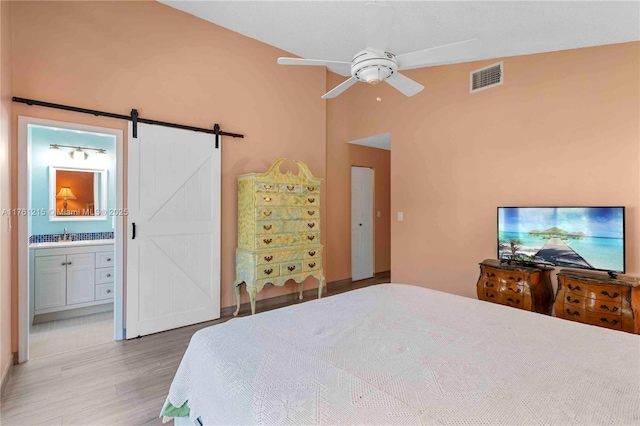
401	355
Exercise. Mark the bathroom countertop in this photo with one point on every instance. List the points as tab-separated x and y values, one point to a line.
80	243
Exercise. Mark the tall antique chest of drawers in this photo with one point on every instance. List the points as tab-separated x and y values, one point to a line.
519	286
596	299
278	230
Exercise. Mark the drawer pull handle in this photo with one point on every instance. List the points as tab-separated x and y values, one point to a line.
572	301
614	309
266	186
267	240
513	279
515	291
267	199
108	259
491	274
516	301
63	263
268	258
290	187
311	237
606	293
612	322
268	271
291	268
311	200
311	225
489	295
488	285
310	188
108	275
574	288
576	313
311	212
109	291
68	263
312	253
266	213
267	227
311	265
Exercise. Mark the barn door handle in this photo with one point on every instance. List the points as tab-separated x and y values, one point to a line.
133	233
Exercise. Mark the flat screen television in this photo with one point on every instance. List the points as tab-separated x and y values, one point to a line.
574	237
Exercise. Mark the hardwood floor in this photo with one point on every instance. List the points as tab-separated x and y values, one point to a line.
122	382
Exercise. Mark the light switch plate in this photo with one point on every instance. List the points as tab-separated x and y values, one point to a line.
400	216
379	215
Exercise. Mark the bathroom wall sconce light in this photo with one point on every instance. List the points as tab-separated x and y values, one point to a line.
79	153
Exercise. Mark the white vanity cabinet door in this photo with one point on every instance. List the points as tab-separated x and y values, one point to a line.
50	282
80	278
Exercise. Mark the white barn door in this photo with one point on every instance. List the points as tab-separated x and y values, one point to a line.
173	263
361	223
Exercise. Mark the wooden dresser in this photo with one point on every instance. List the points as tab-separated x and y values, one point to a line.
278	230
523	287
595	298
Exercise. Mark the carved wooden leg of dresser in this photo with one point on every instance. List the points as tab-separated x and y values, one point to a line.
237	289
320	285
301	288
253	291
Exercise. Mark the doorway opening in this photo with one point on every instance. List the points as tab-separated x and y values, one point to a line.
71	237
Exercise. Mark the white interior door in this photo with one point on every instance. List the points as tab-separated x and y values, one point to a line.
361	223
173	263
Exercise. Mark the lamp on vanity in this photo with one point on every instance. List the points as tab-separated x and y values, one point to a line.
65	194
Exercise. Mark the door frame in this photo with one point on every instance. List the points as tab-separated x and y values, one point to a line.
24	183
373	217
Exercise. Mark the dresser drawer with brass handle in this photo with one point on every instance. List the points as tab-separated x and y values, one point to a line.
286	226
290	188
289	200
269	213
268	271
290	268
266	187
522	287
312	265
598	299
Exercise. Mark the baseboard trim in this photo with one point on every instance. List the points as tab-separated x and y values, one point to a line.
6	372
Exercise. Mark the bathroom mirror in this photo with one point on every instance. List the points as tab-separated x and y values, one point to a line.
77	194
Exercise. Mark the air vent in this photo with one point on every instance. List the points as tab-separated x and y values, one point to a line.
486	77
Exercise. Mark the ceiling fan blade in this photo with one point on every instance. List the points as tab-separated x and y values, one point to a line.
404	84
340	88
467	49
343	68
379	20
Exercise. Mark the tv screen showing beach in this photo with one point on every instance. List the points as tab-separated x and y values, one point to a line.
574	237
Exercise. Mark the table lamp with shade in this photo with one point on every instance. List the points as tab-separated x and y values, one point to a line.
65	194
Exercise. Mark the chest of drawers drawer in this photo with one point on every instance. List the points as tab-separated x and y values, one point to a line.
527	288
597	299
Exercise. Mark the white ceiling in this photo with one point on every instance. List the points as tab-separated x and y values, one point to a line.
381	141
334	30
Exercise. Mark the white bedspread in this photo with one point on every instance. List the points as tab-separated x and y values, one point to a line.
398	354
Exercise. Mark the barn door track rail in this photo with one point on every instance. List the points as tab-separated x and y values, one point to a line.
134	117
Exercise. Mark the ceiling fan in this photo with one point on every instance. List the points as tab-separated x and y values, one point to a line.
374	64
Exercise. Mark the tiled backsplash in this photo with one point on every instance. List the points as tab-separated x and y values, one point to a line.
82	236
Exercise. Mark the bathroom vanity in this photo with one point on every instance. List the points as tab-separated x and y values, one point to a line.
71	274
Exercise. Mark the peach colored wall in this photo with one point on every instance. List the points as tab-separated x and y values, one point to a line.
5	186
340	157
173	67
563	129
